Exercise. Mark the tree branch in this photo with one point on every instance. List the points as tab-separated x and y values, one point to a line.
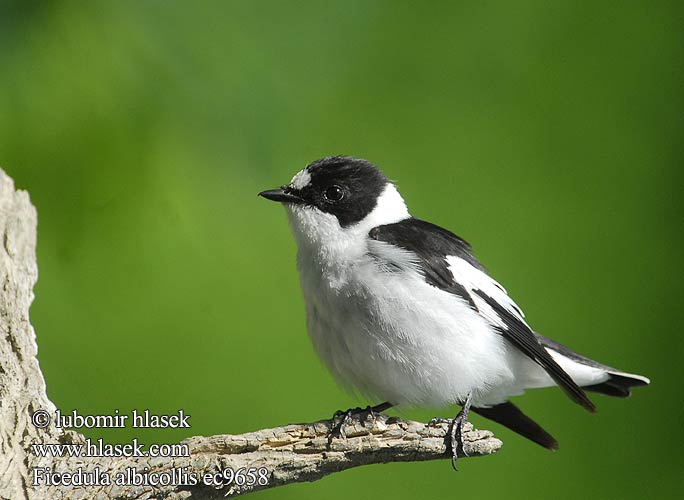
213	467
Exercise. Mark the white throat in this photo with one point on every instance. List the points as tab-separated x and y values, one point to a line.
320	235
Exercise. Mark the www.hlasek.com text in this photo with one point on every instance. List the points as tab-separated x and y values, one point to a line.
98	448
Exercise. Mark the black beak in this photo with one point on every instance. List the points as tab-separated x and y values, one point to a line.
281	195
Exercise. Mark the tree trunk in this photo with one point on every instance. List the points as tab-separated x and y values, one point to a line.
205	467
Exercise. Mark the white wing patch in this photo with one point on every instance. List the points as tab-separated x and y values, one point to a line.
473	279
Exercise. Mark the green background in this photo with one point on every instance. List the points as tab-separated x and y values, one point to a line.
548	134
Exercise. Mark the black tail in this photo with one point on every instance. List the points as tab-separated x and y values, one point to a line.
510	415
619	386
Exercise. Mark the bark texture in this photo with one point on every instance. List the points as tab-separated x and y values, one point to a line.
257	460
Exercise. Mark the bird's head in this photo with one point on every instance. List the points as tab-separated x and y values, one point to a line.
338	198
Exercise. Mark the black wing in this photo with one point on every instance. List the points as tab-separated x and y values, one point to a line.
524	339
432	245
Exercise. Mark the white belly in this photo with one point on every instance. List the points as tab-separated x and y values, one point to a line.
401	340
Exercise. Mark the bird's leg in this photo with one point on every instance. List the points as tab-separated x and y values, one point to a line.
372	412
341	418
381	407
440	420
456	431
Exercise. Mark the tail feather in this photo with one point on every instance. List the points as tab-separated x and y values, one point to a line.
509	415
618	385
587	373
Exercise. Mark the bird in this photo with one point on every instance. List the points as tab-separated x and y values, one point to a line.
401	311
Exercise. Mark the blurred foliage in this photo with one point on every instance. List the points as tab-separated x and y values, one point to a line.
549	134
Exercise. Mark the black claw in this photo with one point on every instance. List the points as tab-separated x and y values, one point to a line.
372	413
340	419
439	420
456	432
457	445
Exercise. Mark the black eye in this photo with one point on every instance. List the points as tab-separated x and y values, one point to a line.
334	193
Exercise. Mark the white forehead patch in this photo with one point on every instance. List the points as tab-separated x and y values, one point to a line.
301	180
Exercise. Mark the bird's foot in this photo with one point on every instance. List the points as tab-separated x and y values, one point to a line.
454	436
434	421
456	432
341	419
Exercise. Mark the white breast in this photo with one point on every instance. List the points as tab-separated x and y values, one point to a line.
392	337
381	329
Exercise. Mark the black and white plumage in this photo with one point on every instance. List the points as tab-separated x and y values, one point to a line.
400	310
